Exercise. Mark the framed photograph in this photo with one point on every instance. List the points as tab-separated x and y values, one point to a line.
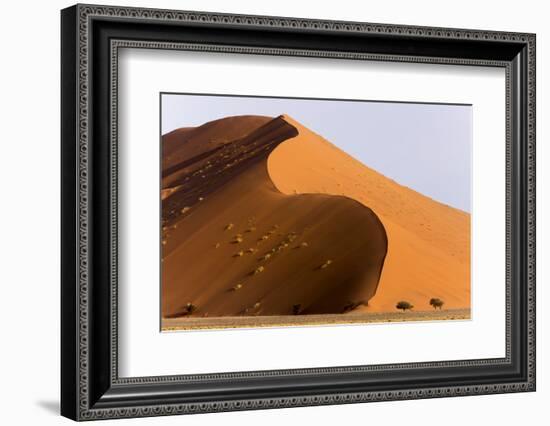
263	212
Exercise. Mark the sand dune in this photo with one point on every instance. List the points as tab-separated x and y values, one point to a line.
189	142
428	242
262	216
232	244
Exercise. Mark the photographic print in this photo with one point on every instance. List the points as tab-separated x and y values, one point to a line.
292	211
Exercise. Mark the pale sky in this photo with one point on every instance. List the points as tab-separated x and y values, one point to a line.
427	147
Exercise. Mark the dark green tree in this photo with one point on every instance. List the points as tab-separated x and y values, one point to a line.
404	306
436	303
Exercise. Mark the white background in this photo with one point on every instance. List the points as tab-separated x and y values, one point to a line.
146	352
29	225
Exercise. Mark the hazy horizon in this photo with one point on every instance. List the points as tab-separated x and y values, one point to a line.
426	147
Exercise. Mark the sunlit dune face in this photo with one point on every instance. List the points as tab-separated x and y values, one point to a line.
428	242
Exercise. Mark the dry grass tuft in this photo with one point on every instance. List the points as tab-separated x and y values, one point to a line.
326	264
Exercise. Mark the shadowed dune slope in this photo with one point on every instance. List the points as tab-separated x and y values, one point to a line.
233	244
188	142
428	242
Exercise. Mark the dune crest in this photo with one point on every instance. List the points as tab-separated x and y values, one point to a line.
428	242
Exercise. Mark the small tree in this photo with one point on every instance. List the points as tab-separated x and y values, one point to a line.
436	303
190	308
404	306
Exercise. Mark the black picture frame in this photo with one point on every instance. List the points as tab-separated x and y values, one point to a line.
90	386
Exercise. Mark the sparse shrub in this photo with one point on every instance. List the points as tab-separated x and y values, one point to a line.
239	253
258	270
296	309
190	308
229	226
326	264
404	306
436	303
291	237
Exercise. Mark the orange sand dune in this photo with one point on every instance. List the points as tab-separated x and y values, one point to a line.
428	242
189	142
232	244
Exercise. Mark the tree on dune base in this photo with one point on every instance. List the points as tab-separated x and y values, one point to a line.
436	303
404	306
190	308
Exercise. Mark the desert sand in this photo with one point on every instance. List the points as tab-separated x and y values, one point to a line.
428	242
232	244
357	316
263	217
